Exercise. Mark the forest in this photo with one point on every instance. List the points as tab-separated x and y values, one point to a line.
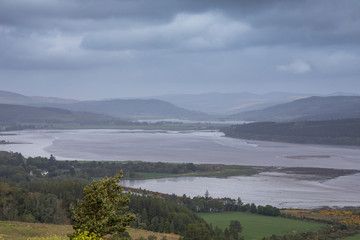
41	190
333	132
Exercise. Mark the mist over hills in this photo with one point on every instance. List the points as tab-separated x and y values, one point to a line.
312	108
230	103
220	104
7	97
119	108
133	108
11	114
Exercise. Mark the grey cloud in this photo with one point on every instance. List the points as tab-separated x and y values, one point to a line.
206	31
297	66
202	44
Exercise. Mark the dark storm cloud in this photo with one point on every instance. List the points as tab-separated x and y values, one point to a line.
240	42
273	22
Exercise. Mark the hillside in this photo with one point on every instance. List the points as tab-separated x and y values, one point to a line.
10	114
229	103
337	132
25	230
7	97
133	108
312	108
120	108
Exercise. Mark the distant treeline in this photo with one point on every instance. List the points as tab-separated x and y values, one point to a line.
334	132
16	168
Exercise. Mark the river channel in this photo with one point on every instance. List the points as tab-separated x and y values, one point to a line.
284	190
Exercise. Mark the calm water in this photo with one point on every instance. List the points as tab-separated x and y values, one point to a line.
207	147
172	146
281	190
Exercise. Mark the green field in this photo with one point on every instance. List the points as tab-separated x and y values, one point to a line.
356	237
258	226
23	231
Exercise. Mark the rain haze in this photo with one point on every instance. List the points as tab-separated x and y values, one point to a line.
119	49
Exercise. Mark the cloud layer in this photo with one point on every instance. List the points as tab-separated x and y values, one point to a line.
120	46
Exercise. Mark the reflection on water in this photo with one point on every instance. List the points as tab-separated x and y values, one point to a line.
281	190
207	147
173	146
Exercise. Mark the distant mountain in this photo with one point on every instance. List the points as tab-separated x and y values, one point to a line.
15	98
133	108
312	108
120	108
10	114
230	103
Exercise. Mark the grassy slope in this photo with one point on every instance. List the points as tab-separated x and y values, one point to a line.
22	230
257	226
356	237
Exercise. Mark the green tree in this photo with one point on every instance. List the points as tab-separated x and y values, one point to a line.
102	209
253	208
197	232
235	228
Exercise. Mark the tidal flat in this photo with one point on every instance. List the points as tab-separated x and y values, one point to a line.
299	186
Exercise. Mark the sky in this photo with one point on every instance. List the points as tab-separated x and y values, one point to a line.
96	49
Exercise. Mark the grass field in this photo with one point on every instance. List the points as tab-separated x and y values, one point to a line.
258	226
22	231
356	237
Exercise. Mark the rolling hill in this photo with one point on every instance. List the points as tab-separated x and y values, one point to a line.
119	108
335	132
229	103
7	97
10	114
312	108
133	108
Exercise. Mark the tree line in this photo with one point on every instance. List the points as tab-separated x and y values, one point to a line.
336	132
30	194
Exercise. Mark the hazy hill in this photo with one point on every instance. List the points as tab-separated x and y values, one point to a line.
230	103
26	114
312	108
121	108
133	108
339	132
15	98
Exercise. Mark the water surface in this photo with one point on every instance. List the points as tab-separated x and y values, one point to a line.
174	146
283	190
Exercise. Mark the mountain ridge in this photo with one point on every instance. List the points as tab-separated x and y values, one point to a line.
229	103
119	108
13	114
312	108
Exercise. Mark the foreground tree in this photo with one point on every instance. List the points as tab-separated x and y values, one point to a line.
235	228
197	232
102	209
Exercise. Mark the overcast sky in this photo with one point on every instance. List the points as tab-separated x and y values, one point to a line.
92	49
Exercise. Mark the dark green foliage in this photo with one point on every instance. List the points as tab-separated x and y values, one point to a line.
328	233
102	209
17	204
197	232
160	215
253	208
234	229
338	132
219	234
46	198
209	204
